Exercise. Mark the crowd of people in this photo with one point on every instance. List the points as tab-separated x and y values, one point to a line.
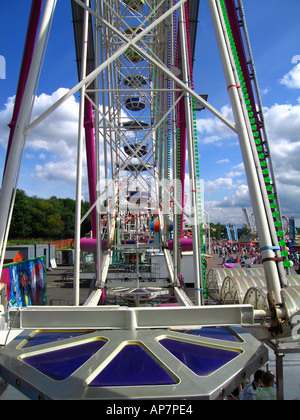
262	387
234	253
244	255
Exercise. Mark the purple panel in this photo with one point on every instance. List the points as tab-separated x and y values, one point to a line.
45	337
90	245
200	359
186	244
90	157
60	364
133	366
34	19
138	291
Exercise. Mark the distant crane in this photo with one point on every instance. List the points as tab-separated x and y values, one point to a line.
248	223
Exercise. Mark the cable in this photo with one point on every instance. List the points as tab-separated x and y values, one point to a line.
11	326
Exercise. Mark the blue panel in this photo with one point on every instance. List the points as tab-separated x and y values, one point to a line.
137	291
44	337
200	359
133	366
219	333
60	364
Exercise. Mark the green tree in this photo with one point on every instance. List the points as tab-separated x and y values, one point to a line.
245	231
52	218
218	231
68	216
22	218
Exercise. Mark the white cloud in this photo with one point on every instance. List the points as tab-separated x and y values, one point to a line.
52	145
213	130
292	79
241	197
5	118
234	174
59	131
29	156
51	148
57	171
219	184
229	210
240	167
283	127
56	134
219	162
295	59
237	171
283	124
224	212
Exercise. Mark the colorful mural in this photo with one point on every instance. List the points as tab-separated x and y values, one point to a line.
24	283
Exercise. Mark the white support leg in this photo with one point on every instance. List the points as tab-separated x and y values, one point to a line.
272	278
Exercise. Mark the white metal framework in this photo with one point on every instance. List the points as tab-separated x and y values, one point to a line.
137	111
137	101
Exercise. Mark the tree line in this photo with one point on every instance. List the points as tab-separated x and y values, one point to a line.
52	218
219	231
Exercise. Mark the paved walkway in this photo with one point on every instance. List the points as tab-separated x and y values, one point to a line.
60	282
214	262
60	287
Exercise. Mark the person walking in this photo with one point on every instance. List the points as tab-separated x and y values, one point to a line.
268	392
249	392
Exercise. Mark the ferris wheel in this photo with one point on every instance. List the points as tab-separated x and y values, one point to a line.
140	115
137	111
137	106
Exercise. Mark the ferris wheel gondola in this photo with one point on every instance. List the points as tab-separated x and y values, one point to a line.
133	56
136	148
135	103
135	125
135	5
135	81
136	166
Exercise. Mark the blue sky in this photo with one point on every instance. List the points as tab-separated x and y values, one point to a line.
49	161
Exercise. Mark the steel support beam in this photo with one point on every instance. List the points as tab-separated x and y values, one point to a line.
115	317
